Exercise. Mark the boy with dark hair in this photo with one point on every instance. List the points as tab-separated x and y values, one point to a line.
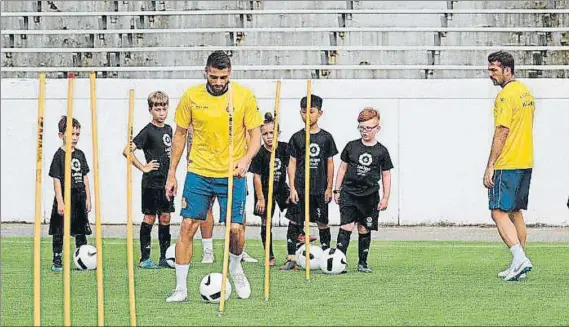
365	162
155	139
322	150
80	194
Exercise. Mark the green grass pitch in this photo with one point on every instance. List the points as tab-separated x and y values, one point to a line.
413	283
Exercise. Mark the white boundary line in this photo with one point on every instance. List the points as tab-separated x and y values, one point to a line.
394	245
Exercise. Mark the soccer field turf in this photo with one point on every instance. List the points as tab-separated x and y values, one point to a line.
413	283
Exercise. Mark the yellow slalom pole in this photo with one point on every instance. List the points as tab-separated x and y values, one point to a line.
307	179
37	220
67	204
229	205
269	207
129	213
98	228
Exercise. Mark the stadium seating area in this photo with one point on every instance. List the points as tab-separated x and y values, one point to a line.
283	39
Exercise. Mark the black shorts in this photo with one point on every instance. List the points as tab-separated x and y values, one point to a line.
280	196
79	216
154	201
359	209
318	209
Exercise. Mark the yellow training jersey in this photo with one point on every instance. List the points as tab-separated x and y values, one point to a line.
209	118
514	108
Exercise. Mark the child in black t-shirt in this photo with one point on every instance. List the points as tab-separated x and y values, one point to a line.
80	194
155	140
260	168
322	151
365	162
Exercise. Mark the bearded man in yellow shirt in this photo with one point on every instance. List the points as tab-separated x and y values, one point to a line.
509	169
205	108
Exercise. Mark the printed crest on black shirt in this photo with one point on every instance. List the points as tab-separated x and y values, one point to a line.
79	168
156	143
365	165
322	147
261	163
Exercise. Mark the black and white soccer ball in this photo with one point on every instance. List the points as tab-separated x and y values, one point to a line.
315	254
85	257
333	261
210	288
171	255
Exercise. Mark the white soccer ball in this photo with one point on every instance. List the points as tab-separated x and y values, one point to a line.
333	261
85	257
171	255
210	288
315	254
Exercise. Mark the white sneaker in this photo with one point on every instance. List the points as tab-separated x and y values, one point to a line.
242	287
208	256
516	272
247	258
505	273
178	296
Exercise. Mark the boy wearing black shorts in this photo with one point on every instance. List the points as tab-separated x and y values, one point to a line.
365	162
260	168
80	194
322	150
155	140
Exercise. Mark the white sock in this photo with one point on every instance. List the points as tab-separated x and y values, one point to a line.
207	244
182	276
518	253
235	263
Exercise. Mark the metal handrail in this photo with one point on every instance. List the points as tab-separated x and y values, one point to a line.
285	12
285	30
273	68
287	48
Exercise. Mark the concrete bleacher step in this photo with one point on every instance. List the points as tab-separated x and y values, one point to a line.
278	57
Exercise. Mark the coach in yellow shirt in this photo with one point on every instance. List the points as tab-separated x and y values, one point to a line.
205	108
509	169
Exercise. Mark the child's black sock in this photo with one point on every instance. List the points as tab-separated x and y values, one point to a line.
164	238
264	240
325	238
291	238
57	245
145	239
80	240
363	246
343	241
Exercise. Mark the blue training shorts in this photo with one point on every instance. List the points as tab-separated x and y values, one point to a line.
511	190
199	191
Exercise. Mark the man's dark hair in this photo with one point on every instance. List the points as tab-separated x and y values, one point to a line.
218	60
62	125
315	102
504	58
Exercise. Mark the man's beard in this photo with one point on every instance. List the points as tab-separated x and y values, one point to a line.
212	90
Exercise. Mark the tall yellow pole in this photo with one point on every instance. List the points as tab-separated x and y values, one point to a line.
230	169
67	204
37	220
98	227
129	214
307	179
269	208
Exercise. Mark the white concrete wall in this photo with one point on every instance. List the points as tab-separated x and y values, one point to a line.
438	133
